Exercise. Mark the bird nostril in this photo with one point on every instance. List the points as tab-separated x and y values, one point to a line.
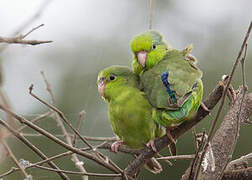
102	79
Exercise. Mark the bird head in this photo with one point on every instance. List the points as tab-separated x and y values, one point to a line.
148	49
112	78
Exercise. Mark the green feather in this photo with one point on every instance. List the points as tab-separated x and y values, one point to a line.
182	77
184	113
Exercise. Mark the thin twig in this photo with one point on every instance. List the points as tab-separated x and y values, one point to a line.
42	116
61	115
20	40
33	29
123	149
195	138
158	155
183	157
243	67
48	87
29	21
237	163
195	160
247	121
5	102
81	115
245	87
72	135
151	13
79	173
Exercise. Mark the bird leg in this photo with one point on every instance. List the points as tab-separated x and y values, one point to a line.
168	133
115	146
172	146
152	145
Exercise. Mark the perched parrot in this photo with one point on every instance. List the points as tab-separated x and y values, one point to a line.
169	77
129	111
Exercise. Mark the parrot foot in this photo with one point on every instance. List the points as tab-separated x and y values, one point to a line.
172	146
204	107
115	146
168	133
152	145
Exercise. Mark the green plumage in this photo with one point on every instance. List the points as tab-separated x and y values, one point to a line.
130	113
184	78
169	118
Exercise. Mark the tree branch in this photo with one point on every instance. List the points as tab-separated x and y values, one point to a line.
79	173
29	21
20	39
242	161
241	174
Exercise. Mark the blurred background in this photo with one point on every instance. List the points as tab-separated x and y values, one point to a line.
92	34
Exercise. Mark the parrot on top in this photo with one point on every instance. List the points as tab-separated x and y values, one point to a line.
169	77
129	111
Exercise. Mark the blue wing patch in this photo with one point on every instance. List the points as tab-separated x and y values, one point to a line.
164	78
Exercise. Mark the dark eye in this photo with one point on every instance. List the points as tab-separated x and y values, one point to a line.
112	77
153	46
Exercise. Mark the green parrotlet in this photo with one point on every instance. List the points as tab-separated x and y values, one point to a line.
169	77
129	111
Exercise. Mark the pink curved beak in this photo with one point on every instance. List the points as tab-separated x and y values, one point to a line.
101	88
141	56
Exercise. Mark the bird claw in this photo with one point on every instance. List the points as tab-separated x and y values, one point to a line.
204	107
115	146
152	145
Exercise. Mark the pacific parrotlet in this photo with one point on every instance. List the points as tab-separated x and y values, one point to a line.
169	77
129	111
